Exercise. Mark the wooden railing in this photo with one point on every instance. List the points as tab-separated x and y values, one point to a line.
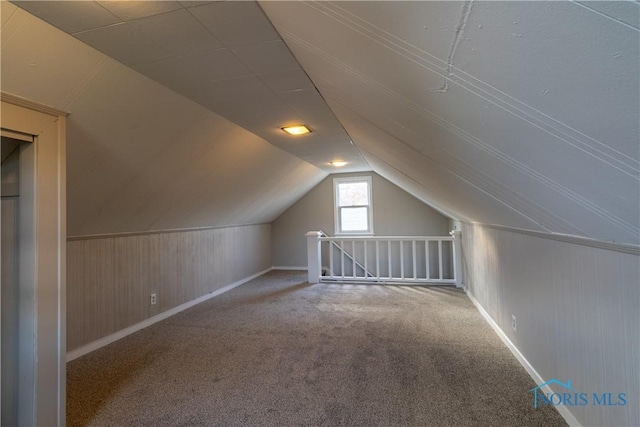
407	260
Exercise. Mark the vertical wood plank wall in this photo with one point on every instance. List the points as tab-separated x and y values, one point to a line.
110	279
577	309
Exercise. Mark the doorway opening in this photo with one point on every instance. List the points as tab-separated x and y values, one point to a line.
12	169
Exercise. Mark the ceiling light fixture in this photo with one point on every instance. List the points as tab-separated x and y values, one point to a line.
338	163
296	130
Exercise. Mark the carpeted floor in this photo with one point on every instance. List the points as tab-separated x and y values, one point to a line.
280	352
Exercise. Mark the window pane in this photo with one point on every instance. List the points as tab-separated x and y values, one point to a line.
354	219
353	194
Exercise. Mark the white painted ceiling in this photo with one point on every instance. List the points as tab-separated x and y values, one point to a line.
141	157
226	56
523	114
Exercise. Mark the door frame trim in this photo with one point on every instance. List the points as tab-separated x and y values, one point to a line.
43	400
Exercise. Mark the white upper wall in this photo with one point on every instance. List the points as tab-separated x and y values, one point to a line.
395	213
141	157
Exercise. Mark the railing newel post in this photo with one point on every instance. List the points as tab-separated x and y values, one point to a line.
457	257
314	258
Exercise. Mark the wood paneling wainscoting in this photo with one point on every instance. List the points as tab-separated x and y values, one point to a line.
111	278
577	306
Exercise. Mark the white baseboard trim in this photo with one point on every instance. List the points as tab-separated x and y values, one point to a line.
563	410
280	267
92	346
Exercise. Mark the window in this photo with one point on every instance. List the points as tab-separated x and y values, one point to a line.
353	214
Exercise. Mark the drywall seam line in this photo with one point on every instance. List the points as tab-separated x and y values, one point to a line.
4	40
597	12
603	148
430	203
365	27
489	186
524	215
460	28
403	46
495	99
446	164
468	172
485	147
583	146
495	187
468	137
12	12
96	71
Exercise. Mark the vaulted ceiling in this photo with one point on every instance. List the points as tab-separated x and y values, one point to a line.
523	114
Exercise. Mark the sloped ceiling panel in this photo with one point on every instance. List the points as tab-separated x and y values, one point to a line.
518	113
226	56
139	156
400	162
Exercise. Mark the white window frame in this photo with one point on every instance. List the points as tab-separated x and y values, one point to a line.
336	207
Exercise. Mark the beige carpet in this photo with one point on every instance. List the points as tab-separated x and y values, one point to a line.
280	352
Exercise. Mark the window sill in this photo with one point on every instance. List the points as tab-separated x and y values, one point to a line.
352	234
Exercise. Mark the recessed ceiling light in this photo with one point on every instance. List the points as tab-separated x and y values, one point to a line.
338	163
296	130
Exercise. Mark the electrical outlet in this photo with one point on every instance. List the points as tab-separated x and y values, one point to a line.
513	322
153	299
